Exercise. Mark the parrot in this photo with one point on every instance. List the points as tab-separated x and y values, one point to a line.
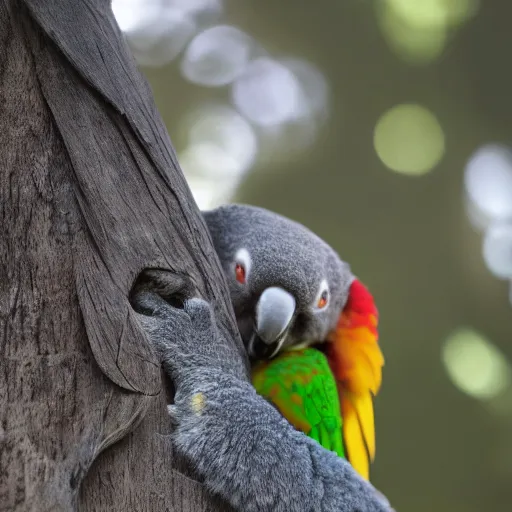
308	324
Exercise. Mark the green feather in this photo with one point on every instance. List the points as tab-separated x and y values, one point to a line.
302	387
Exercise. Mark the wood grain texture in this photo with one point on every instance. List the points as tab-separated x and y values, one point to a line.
90	194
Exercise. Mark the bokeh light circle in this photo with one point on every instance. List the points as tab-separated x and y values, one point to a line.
268	93
488	181
221	143
475	365
222	146
432	13
216	56
497	249
315	90
409	139
156	33
415	45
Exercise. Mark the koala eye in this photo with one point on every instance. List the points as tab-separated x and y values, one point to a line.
322	298
322	301
242	265
240	273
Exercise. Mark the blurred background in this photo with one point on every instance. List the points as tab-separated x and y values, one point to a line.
384	126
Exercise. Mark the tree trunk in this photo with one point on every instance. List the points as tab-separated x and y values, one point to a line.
91	194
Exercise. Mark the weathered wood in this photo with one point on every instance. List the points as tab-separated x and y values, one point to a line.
90	194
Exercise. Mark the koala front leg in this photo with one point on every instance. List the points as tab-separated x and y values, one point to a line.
253	458
244	449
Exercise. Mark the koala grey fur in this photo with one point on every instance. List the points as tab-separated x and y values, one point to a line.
242	447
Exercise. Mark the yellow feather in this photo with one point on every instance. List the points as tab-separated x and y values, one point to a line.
363	404
353	439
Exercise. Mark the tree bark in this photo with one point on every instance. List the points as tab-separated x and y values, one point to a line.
91	194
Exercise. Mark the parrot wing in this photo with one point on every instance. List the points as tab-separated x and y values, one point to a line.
356	360
300	384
